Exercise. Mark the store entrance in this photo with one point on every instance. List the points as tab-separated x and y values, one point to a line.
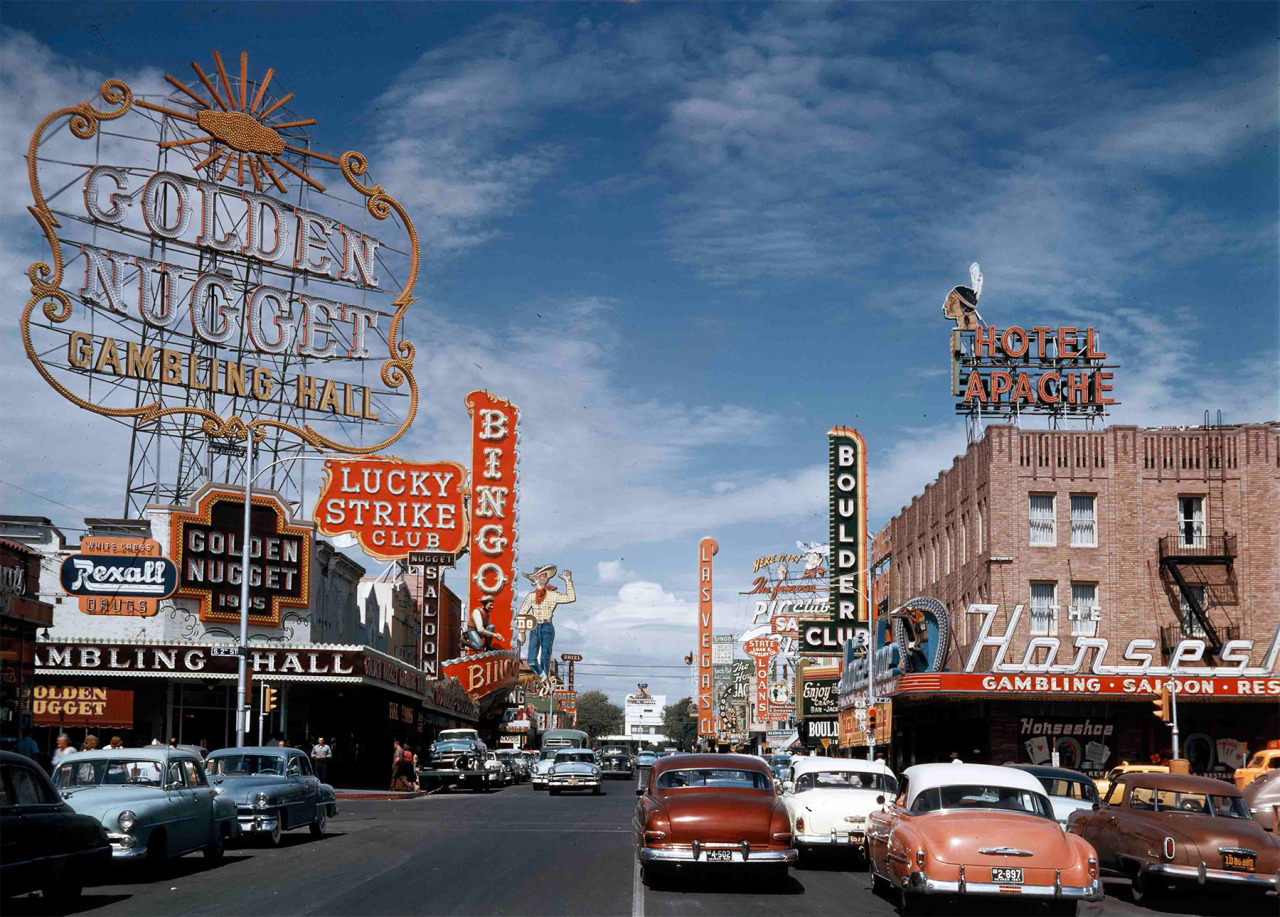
204	715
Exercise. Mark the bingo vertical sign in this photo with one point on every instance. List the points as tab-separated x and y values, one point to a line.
494	505
707	549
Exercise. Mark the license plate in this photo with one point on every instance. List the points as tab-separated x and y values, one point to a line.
574	782
1240	862
720	856
1006	875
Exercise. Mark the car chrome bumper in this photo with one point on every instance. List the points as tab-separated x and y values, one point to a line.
253	824
1203	875
126	847
920	884
690	855
833	838
562	783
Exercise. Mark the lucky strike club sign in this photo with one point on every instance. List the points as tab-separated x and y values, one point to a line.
394	507
205	274
207	547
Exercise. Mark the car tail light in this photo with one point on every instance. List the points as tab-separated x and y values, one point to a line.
654	835
1093	867
781	836
1169	848
920	857
800	823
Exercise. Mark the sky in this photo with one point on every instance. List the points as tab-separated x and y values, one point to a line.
689	239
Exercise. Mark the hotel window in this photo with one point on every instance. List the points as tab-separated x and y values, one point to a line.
1191	522
1040	513
1190	625
1084	610
933	561
981	547
1044	609
964	524
946	553
1084	521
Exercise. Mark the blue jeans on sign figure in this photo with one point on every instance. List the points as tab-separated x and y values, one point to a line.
541	639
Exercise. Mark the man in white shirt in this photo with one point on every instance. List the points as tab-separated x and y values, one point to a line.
541	604
320	755
64	748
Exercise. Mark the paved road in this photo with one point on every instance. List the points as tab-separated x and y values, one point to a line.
510	852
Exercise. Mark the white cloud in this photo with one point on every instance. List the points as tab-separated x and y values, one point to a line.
612	571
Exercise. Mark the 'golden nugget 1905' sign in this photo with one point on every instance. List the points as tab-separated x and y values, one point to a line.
224	285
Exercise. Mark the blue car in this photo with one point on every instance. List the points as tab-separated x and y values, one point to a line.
273	790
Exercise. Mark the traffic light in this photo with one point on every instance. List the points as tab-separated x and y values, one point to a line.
268	699
1161	704
871	720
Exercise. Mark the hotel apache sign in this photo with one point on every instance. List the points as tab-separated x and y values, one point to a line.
203	284
207	547
119	576
394	507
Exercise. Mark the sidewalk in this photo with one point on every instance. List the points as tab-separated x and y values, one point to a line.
378	794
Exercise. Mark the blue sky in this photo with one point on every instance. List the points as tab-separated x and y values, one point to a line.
688	239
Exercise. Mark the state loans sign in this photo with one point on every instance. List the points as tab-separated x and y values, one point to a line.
394	507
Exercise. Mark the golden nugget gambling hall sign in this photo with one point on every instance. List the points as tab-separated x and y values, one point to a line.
225	285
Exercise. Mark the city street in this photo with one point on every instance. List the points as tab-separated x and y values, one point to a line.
516	851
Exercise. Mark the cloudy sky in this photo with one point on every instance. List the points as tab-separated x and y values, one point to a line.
688	239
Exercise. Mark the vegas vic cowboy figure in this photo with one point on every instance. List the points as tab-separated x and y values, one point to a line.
541	605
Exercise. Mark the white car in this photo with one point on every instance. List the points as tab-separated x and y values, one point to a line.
542	770
1069	791
574	769
828	800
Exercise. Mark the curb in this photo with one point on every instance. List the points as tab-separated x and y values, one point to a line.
385	794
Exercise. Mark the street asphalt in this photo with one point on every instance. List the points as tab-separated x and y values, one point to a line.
514	851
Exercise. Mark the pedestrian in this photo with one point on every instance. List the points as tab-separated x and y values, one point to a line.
116	742
404	773
64	748
27	746
173	743
541	605
90	743
320	755
395	762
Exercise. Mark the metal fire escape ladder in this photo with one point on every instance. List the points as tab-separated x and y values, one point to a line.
1200	613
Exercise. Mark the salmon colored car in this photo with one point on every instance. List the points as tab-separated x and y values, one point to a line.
972	830
717	810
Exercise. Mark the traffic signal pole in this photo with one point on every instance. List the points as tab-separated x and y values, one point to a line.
1173	708
262	710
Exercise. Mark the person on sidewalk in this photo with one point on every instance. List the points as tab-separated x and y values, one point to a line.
542	604
320	755
64	748
395	762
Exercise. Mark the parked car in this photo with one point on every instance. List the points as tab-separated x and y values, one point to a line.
496	771
829	800
1168	830
1069	791
44	844
516	764
273	790
718	810
976	830
646	759
1263	761
1262	796
542	770
1104	783
457	757
574	769
155	802
615	762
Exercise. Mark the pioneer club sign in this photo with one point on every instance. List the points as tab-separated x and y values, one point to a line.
207	546
394	507
119	576
202	288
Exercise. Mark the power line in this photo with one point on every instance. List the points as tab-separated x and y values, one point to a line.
43	497
628	665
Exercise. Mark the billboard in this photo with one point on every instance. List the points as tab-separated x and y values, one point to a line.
119	576
495	515
762	650
707	549
207	548
394	507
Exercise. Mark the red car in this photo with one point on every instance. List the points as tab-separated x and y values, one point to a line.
718	810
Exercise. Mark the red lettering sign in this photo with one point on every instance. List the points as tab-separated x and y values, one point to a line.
481	674
494	514
707	549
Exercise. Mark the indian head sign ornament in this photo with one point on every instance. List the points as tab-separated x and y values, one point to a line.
226	292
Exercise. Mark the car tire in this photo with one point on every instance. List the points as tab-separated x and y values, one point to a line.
596	791
321	823
1146	889
276	835
157	854
879	885
911	905
63	889
215	852
555	791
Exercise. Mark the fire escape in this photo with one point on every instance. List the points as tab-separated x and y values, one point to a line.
1179	555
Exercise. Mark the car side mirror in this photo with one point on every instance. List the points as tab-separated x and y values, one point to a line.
879	800
1096	807
639	791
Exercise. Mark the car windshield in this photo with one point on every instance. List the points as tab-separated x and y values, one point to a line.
1188	803
735	778
1082	790
978	796
238	765
548	754
107	772
453	745
845	780
575	757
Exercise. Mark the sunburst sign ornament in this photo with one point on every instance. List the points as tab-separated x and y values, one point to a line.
205	296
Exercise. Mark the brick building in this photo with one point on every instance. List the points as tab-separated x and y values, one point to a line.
1127	533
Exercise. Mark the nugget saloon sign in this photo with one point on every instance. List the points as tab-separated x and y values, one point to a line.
394	507
207	547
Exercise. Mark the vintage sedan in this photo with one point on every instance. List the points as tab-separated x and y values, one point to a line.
1174	830
1262	762
972	830
615	762
154	802
515	762
273	790
44	844
542	769
1124	767
1069	791
717	810
1262	796
574	769
828	800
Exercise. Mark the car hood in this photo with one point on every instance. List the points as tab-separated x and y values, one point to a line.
242	788
960	837
543	766
719	816
104	802
575	767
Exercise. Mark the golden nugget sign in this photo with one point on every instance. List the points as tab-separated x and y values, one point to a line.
224	284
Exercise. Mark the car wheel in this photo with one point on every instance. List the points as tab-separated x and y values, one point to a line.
157	853
1146	889
318	826
555	791
597	791
215	851
64	889
276	834
879	885
910	905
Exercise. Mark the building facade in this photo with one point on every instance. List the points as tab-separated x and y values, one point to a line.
1119	535
642	717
